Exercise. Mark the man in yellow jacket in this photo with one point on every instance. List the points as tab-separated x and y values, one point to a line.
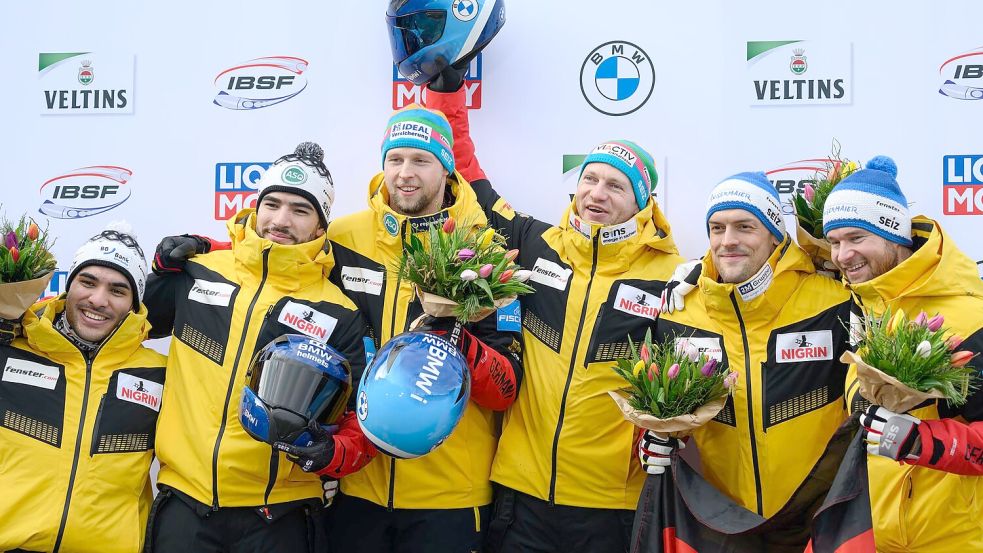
760	307
221	490
565	457
931	500
439	502
79	397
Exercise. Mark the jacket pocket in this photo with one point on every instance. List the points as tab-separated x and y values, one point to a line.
127	417
32	396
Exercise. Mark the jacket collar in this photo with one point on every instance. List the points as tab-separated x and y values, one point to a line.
42	336
618	245
289	267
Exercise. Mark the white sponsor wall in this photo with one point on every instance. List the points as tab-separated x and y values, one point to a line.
170	146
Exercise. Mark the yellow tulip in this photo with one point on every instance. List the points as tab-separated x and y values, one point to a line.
638	368
898	319
486	238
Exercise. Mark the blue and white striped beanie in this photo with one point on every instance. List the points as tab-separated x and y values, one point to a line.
751	192
872	200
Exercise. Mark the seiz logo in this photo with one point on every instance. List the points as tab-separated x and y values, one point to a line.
307	320
406	93
550	274
797	347
637	302
962	184
211	293
85	192
139	390
260	82
30	374
963	76
235	186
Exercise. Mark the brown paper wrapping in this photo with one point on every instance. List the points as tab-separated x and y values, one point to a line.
17	297
880	388
819	250
439	306
676	427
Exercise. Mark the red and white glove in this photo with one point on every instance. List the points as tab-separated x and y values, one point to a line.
890	434
655	451
174	251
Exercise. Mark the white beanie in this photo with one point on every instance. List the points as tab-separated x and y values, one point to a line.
302	173
115	248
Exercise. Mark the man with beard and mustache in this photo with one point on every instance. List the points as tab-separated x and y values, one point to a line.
925	483
221	490
760	307
79	398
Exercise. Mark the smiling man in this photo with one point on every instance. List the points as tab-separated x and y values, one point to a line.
925	486
760	307
79	397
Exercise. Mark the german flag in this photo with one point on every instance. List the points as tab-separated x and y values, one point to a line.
680	512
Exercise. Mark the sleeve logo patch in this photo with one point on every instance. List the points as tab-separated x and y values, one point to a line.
550	274
359	279
20	371
211	293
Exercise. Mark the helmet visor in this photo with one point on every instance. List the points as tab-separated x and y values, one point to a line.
285	383
412	32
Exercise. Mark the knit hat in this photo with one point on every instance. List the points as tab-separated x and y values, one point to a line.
418	127
302	173
751	192
115	248
630	159
872	200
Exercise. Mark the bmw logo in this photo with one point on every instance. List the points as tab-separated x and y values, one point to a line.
464	10
362	409
617	78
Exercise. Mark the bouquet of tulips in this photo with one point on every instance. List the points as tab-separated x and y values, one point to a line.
673	388
463	271
26	266
901	362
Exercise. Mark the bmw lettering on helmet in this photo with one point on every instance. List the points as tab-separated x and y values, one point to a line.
428	35
413	394
293	381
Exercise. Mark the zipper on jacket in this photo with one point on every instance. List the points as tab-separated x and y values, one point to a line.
78	437
392	484
399	282
95	427
573	364
750	405
232	379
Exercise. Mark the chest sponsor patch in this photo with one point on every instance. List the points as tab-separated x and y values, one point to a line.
579	225
637	302
307	320
804	346
32	374
550	274
510	317
139	390
756	285
617	233
707	346
360	279
211	293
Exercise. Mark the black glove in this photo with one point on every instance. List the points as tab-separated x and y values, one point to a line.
317	455
450	78
443	326
174	251
9	329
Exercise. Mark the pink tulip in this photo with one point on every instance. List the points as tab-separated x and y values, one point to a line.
730	380
674	370
809	192
653	371
709	367
960	358
921	319
465	254
15	254
486	270
935	323
511	255
644	354
953	342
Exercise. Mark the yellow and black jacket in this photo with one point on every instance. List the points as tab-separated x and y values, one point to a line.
368	247
564	440
783	332
220	310
918	508
77	437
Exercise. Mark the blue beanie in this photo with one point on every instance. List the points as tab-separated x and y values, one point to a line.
751	192
633	161
872	200
418	127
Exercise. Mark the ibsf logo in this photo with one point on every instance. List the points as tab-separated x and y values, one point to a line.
962	185
85	192
963	76
617	78
260	82
406	93
235	186
791	178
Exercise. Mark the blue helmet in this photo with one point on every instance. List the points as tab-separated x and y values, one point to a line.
428	35
293	380
413	394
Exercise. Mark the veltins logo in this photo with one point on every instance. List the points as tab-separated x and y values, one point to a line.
389	221
235	186
260	82
963	76
406	93
962	184
571	177
617	78
68	83
797	72
85	192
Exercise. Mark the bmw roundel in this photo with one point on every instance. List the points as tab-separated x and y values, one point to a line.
617	78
